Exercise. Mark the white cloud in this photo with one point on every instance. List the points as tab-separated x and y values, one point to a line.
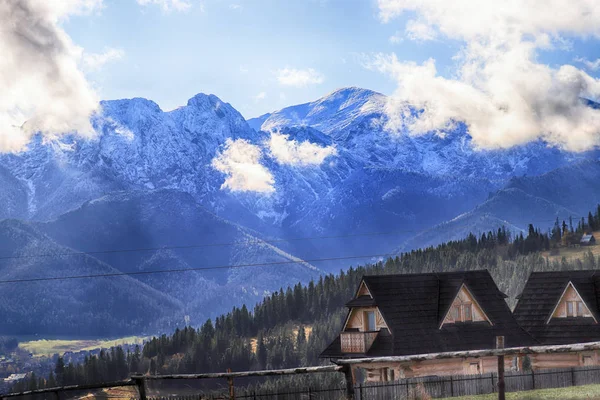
168	5
396	38
500	90
299	77
419	30
292	152
43	89
95	61
591	65
243	69
260	96
240	161
236	7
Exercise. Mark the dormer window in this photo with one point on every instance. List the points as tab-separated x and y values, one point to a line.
462	312
571	305
370	323
575	309
464	308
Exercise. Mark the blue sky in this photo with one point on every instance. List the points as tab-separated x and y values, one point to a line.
514	71
234	49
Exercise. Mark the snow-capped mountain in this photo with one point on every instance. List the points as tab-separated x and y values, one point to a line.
318	178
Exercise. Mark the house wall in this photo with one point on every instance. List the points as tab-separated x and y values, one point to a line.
569	295
564	360
469	366
356	319
444	367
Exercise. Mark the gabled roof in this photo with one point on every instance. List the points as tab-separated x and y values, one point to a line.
587	238
542	293
361	301
414	305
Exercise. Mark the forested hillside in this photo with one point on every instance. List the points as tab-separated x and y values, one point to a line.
273	335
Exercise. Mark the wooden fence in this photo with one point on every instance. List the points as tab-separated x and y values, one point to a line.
437	387
464	385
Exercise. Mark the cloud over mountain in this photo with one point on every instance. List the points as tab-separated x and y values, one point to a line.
40	79
500	89
240	161
292	152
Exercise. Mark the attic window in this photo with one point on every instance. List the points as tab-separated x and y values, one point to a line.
464	308
571	305
462	312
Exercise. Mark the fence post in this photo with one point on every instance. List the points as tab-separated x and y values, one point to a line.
349	382
451	386
572	376
360	392
254	394
501	384
309	393
231	388
493	386
532	379
140	382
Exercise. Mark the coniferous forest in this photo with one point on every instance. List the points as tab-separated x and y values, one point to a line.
292	326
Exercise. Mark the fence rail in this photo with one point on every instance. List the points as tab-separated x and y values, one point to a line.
437	387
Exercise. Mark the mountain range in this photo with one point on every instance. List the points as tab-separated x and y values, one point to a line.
316	184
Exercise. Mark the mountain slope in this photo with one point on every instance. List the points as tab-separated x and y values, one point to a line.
98	306
174	232
569	191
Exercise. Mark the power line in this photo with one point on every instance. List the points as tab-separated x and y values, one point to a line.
193	246
206	245
162	271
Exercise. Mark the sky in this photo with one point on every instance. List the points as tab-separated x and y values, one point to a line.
237	50
512	70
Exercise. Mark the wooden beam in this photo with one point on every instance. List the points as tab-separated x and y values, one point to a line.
476	353
272	372
128	382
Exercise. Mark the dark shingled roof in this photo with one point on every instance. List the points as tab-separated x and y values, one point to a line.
361	301
541	294
414	305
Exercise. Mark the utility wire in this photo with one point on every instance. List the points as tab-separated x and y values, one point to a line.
194	246
206	245
162	271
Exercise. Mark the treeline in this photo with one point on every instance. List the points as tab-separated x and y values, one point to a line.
291	327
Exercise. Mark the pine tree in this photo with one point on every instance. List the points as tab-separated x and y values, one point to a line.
59	370
261	352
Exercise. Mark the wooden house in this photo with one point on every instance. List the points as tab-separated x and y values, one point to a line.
561	308
397	315
587	240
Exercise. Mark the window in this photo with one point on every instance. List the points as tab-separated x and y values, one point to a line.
474	368
384	374
570	308
391	375
370	324
462	312
456	313
587	360
575	309
467	311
